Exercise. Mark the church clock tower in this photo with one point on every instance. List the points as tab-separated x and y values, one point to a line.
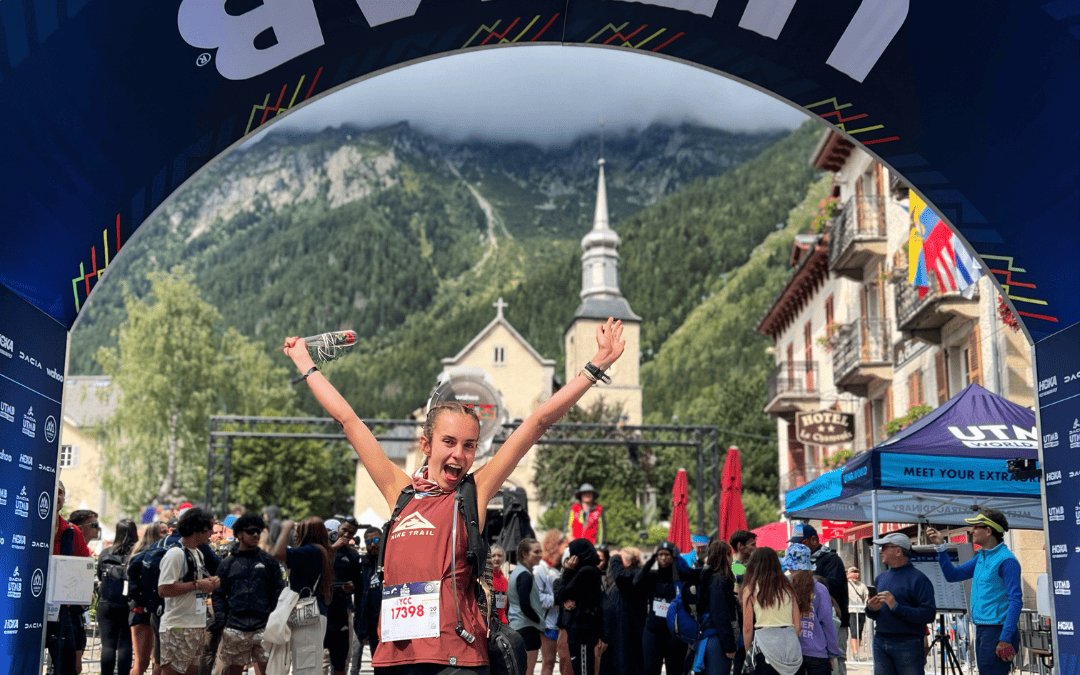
601	298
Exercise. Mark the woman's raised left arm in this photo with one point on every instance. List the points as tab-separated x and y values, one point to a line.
491	476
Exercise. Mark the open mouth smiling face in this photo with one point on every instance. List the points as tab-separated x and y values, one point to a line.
452	449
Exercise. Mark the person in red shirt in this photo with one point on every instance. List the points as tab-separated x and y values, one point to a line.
500	586
61	636
425	553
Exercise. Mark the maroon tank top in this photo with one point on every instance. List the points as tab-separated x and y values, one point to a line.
418	549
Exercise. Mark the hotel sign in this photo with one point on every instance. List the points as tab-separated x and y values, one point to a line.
825	427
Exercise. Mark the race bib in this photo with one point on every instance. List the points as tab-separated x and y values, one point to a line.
201	601
660	607
500	600
409	611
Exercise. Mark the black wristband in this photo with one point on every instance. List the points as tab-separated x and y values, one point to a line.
597	373
313	369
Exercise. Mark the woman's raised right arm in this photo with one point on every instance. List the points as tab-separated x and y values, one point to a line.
387	476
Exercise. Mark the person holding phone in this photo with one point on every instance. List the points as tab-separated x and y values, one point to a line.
901	608
996	594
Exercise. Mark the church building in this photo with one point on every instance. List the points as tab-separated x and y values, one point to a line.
499	364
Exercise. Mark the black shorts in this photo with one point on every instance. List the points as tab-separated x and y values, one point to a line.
138	618
531	637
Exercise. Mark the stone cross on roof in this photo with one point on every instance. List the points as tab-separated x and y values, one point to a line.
499	305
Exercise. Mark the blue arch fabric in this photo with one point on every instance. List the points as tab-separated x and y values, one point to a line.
107	107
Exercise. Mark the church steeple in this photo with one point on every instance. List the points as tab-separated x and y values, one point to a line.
601	298
600	294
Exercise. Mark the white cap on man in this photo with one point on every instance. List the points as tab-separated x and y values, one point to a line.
896	539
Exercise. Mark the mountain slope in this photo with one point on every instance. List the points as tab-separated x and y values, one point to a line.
345	228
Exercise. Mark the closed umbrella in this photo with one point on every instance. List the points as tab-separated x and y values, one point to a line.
679	534
732	515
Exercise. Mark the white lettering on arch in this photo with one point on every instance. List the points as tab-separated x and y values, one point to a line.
378	12
205	24
871	30
706	7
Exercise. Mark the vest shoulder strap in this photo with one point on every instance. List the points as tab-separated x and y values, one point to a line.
403	499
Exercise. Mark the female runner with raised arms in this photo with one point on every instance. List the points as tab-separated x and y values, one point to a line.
418	549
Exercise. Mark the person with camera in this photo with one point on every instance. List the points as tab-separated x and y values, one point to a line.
901	609
347	577
996	594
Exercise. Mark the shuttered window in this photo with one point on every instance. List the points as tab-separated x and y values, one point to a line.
973	361
868	416
942	373
915	389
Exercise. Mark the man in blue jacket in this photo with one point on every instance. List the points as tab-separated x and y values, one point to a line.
996	595
901	609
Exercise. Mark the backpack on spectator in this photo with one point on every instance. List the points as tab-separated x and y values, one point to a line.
681	623
144	571
112	573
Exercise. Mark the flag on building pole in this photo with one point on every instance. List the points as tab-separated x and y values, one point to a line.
916	259
956	268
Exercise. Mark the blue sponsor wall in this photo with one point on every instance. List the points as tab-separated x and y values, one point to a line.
32	351
1058	367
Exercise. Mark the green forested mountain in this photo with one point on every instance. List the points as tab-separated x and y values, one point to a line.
409	241
303	233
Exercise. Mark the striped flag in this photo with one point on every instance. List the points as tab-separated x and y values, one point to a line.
956	268
916	259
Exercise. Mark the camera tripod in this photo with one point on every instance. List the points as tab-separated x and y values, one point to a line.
949	663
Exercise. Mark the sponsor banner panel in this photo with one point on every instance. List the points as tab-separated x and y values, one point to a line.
1058	361
31	385
952	474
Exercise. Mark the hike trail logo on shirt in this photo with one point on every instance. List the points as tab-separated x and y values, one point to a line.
412	524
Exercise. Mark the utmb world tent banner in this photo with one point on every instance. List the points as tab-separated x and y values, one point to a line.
32	348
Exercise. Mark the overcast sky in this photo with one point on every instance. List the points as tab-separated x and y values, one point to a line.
546	95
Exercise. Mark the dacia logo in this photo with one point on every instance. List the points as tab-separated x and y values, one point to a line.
30	359
1072	377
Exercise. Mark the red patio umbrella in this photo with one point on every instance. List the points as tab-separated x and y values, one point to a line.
732	515
679	534
773	535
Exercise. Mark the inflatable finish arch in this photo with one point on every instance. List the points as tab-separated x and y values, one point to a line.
108	106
